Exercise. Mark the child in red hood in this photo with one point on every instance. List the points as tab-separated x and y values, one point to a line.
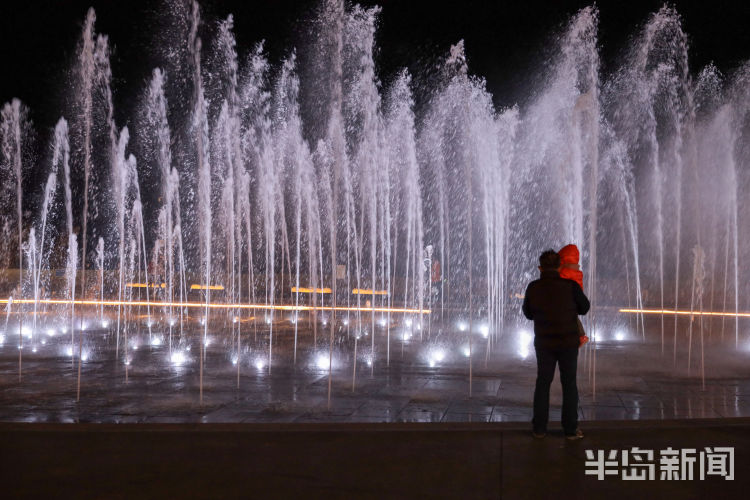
570	269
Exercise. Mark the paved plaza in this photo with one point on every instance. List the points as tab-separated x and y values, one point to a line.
634	381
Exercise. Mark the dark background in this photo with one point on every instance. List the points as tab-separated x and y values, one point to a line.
505	41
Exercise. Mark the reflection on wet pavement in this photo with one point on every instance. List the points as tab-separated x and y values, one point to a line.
163	387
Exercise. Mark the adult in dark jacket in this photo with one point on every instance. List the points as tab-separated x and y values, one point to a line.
554	303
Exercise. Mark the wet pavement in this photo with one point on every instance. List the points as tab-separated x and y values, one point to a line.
411	423
424	381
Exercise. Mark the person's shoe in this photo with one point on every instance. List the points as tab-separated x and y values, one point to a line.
575	437
538	435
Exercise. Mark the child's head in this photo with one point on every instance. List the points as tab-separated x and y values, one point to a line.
569	255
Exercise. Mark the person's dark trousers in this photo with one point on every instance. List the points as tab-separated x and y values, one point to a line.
546	360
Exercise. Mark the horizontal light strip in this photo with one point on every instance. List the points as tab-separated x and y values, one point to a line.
212	306
209	287
311	290
686	313
362	291
145	285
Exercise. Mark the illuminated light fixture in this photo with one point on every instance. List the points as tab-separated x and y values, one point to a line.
290	307
177	358
686	313
196	286
524	341
322	361
310	290
362	291
145	285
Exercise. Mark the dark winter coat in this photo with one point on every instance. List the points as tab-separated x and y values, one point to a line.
554	303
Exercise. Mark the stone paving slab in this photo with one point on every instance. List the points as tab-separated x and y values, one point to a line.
343	460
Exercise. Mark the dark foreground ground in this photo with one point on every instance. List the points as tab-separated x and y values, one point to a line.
436	460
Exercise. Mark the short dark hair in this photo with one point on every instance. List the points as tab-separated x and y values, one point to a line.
549	261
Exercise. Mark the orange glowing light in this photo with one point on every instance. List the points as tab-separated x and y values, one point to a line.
145	285
364	291
311	290
195	286
281	307
686	313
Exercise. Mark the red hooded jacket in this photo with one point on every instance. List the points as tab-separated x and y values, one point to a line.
569	255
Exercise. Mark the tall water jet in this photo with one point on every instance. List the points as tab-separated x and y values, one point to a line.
121	184
100	272
651	109
254	104
229	167
14	126
331	24
159	142
31	250
362	113
200	128
71	269
294	156
696	297
36	261
86	75
740	105
403	168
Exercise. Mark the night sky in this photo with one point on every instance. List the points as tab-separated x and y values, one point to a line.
505	41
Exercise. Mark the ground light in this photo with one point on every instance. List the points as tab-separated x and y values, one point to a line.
178	358
524	341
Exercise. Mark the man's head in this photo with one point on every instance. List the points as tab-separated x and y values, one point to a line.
549	261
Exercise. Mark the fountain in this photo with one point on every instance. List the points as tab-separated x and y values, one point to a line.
311	194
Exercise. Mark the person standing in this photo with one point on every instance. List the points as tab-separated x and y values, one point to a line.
554	304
